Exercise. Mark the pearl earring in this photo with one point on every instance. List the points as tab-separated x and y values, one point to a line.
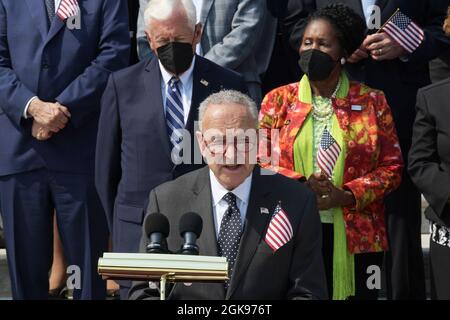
343	61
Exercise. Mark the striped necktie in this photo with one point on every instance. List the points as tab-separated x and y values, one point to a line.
50	5
174	114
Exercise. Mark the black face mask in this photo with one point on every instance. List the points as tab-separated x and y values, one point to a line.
176	57
317	65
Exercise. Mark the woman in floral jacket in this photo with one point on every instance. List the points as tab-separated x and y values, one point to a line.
339	137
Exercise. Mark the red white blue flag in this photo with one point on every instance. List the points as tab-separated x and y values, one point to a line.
328	153
68	9
280	230
404	31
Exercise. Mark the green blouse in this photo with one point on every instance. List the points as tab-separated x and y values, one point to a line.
305	148
306	145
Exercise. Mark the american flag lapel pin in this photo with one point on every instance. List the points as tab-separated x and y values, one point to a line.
204	82
264	210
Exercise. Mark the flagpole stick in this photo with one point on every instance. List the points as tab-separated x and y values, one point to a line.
379	30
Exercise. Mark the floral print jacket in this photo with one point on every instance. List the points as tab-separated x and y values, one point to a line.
373	163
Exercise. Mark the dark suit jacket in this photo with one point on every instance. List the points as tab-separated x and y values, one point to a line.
429	156
133	149
295	271
56	64
398	80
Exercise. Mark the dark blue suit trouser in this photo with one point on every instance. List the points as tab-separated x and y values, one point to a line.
27	203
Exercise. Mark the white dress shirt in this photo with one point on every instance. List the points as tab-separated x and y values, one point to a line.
25	111
220	206
366	4
185	86
198	8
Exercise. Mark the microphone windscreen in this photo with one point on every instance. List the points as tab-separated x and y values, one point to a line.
191	222
156	222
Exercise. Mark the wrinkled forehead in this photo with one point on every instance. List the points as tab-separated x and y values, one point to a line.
228	117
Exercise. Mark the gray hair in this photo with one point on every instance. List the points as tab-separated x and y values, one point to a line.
162	10
228	97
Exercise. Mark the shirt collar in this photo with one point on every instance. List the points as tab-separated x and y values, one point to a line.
242	192
185	78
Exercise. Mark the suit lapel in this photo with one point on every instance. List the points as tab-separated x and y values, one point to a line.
206	8
382	4
200	91
255	225
295	119
154	104
387	9
55	27
58	24
202	204
207	4
39	14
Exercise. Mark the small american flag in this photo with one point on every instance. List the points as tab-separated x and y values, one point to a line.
280	230
328	153
68	9
404	31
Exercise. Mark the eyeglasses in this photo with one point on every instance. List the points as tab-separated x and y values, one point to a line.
220	145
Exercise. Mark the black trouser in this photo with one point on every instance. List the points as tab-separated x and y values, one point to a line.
405	273
362	262
439	271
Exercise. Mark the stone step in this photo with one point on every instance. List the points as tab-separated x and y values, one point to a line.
5	288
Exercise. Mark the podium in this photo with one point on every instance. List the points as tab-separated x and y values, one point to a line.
163	267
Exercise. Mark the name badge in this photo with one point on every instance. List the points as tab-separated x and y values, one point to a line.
356	107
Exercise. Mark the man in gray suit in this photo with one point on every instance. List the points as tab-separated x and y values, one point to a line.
266	225
237	34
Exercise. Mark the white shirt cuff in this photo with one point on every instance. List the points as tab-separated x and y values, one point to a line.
25	111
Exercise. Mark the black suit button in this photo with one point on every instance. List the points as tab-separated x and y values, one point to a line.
45	66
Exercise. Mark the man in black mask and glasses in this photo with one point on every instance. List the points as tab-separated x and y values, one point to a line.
146	128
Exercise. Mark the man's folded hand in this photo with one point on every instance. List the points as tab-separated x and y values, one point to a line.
40	132
53	116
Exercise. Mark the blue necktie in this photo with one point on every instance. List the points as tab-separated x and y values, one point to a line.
174	114
230	233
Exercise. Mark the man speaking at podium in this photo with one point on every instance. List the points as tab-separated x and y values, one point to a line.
267	226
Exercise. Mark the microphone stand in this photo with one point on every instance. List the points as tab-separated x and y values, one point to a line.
162	284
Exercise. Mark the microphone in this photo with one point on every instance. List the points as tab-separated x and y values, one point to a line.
157	228
191	225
